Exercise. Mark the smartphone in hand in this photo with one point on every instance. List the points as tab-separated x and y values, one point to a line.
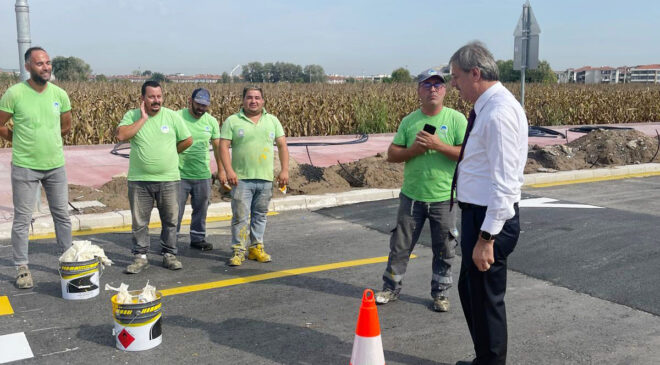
429	129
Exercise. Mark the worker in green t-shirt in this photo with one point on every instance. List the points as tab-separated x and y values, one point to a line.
428	141
251	134
194	165
41	112
157	135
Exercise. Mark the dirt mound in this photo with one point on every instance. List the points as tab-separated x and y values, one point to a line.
596	149
599	148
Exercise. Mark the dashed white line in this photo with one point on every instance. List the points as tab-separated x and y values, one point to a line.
61	352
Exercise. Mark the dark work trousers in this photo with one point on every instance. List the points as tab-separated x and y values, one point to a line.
410	221
482	293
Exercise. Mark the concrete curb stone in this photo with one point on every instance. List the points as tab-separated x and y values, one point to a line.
44	225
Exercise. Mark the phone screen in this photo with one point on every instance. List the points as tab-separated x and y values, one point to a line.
429	129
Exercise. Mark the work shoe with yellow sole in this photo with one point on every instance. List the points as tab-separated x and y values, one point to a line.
441	304
237	259
257	252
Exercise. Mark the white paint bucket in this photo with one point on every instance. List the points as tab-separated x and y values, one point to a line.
137	325
80	280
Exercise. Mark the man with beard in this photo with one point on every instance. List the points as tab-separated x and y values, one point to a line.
194	165
157	134
251	133
41	112
428	141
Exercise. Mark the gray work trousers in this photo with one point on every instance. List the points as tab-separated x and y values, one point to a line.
24	186
410	221
200	195
141	196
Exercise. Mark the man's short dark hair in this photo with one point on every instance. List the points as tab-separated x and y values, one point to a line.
149	83
28	53
253	87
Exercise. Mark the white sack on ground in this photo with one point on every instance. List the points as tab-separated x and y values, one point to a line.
84	251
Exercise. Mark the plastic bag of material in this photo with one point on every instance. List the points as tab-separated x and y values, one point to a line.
123	296
148	294
84	251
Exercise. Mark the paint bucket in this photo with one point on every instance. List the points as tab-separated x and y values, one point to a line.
80	280
137	325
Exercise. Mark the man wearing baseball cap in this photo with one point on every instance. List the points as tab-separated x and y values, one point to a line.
194	165
428	141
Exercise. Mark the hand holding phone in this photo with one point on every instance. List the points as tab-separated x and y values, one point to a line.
429	129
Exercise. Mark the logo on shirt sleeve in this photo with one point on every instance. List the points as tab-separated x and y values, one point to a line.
165	129
207	129
56	107
271	135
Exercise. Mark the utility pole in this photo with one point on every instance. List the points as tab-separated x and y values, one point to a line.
526	46
23	33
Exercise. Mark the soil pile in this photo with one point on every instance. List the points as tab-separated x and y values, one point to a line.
599	148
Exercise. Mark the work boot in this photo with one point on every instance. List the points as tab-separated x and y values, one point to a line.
237	259
257	252
170	261
24	278
441	304
386	295
139	263
201	245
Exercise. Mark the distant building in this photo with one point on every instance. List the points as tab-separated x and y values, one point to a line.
336	79
645	74
178	78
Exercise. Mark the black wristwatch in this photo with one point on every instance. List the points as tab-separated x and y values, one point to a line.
486	236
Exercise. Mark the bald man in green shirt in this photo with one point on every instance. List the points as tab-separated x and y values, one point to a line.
41	112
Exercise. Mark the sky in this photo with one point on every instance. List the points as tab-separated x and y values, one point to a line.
347	37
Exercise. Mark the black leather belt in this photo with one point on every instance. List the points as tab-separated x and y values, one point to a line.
465	206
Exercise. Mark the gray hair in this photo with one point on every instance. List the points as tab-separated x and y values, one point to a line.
475	54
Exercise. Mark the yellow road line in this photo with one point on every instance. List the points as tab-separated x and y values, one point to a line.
127	228
272	275
595	179
5	307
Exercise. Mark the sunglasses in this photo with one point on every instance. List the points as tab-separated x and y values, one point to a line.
430	85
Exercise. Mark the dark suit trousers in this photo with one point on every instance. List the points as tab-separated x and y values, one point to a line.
482	293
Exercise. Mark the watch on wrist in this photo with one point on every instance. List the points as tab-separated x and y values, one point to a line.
486	236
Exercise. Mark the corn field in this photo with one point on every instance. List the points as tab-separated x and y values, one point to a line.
323	109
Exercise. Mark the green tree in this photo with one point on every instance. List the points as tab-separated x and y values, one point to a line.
401	75
314	73
224	79
71	69
147	73
136	73
100	78
253	72
542	74
157	76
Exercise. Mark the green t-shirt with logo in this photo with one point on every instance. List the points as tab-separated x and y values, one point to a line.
37	139
194	161
427	177
153	154
252	144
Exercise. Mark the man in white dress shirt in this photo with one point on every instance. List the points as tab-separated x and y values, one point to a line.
488	179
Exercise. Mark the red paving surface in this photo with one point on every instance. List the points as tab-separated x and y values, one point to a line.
94	165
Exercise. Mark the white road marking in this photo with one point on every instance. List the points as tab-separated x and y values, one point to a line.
548	203
61	352
14	347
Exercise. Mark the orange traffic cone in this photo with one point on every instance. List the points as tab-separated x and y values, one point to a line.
368	347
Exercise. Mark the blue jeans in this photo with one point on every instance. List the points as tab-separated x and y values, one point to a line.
410	221
249	203
24	186
200	194
141	196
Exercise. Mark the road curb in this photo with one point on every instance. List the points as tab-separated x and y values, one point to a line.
88	223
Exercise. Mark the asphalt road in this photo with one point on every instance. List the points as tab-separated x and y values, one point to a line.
581	291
